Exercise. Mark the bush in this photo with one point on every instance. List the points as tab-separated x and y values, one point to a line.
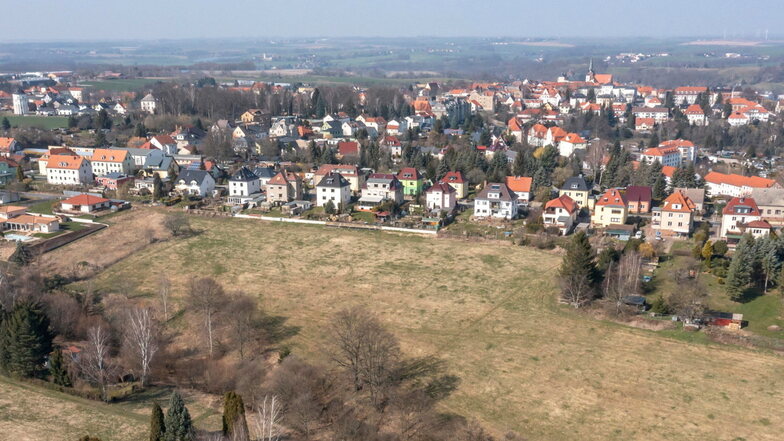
721	280
660	306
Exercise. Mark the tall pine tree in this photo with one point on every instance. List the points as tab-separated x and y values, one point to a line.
58	370
578	272
739	272
179	426
234	423
25	341
157	423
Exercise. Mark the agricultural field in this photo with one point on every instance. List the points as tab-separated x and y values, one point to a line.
41	122
123	85
488	309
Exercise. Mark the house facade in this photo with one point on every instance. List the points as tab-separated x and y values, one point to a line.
577	189
675	217
497	201
68	170
333	187
413	181
195	182
456	180
560	213
610	209
378	188
284	187
105	161
521	186
441	197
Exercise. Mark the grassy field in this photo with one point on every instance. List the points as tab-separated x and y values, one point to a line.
526	364
42	122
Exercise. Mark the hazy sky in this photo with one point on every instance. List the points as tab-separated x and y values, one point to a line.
153	19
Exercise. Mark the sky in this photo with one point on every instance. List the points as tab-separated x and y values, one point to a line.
51	20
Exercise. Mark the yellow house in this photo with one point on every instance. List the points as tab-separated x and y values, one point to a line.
610	209
576	188
455	180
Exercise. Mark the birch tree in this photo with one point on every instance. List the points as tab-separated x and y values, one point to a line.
94	363
206	297
266	426
164	289
141	337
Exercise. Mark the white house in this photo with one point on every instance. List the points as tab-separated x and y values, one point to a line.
333	187
736	215
195	182
665	155
496	201
85	203
149	103
105	161
720	184
440	197
560	213
244	183
68	170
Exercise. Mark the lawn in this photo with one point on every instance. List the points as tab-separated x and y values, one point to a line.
526	364
33	413
43	207
42	122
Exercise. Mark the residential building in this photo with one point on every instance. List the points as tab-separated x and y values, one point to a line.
455	180
149	103
85	203
105	161
686	148
696	115
113	181
571	143
560	213
669	156
770	202
441	197
413	182
349	172
378	188
333	187
264	174
720	184
696	195
675	217
284	187
638	199
34	223
195	182
496	200
521	186
9	146
687	95
68	170
610	209
577	189
736	217
657	114
244	183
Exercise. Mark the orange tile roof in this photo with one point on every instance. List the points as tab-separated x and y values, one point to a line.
32	219
668	170
109	155
85	199
519	184
603	78
5	143
65	162
564	201
685	205
5	209
677	143
746	202
694	109
455	177
574	138
514	125
660	151
738	180
611	197
646	121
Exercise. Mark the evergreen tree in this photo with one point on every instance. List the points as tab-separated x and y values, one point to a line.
659	191
654	140
707	252
519	165
6	123
314	153
769	260
72	122
579	268
157	187
443	169
739	272
178	421
140	131
22	255
103	121
19	173
327	156
57	369
157	424
25	341
233	415
100	138
329	207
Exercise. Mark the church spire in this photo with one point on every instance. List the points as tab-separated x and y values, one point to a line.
590	76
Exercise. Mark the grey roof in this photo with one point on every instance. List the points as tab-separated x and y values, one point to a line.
264	172
159	162
244	175
193	175
335	180
575	183
768	196
494	187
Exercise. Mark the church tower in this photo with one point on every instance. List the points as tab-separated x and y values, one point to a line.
590	77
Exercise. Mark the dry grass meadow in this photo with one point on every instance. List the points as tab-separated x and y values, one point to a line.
525	363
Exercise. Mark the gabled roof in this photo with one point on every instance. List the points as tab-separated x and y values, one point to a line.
193	175
243	175
109	155
563	201
612	198
677	143
738	180
264	172
282	178
748	205
348	148
678	202
573	138
85	199
661	151
694	109
409	174
333	180
5	143
65	162
576	183
453	177
504	194
441	187
345	170
638	193
514	125
519	184
759	224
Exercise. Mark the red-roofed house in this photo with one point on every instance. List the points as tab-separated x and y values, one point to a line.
455	180
638	199
687	95
561	213
686	148
695	115
8	146
570	143
515	128
348	148
734	185
665	155
644	125
85	203
68	170
675	217
610	209
735	217
521	186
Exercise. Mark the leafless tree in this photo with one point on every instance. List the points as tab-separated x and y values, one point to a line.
690	299
94	362
177	224
576	290
243	326
266	426
164	289
206	297
594	159
142	339
622	280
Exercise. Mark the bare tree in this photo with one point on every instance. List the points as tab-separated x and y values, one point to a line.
206	297
690	299
141	337
576	290
164	289
266	426
94	363
177	224
244	313
622	280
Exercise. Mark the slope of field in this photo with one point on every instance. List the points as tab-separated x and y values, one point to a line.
526	364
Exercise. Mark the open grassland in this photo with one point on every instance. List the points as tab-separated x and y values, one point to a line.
29	413
526	363
41	122
122	85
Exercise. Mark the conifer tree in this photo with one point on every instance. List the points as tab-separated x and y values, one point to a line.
57	369
6	123
234	422
578	271
157	424
25	341
22	255
443	169
739	272
179	426
19	173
